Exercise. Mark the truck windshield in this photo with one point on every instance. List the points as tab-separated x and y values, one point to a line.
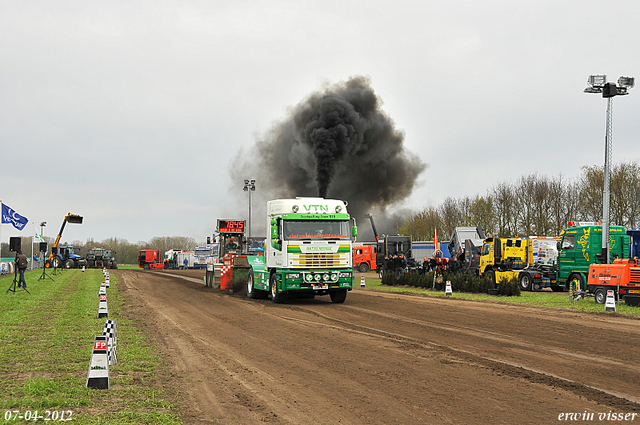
297	230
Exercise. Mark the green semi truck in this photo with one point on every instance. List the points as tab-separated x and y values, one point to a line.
307	252
581	246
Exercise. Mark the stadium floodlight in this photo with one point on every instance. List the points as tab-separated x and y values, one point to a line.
627	82
597	80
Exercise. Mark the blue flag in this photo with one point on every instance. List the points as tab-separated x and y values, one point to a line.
10	216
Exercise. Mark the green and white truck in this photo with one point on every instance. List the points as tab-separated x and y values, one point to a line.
307	252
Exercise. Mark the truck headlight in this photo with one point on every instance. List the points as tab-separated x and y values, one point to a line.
290	276
343	274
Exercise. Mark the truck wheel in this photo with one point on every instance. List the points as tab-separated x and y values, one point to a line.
276	297
69	264
576	281
252	292
338	297
525	282
364	267
57	262
146	266
600	296
491	276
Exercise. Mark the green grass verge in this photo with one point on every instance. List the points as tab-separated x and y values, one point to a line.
128	266
46	340
538	299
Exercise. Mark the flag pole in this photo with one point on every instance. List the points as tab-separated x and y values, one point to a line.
33	239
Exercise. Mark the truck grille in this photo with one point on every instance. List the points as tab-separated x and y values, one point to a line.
319	260
635	275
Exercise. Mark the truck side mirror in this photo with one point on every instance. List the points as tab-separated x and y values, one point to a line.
275	235
559	246
354	231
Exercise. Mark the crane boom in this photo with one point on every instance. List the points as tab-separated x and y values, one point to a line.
71	218
375	232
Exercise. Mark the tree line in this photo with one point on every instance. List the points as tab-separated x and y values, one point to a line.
126	252
535	205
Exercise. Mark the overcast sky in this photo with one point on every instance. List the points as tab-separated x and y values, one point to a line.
130	113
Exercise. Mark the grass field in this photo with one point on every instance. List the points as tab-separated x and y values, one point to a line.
540	299
46	339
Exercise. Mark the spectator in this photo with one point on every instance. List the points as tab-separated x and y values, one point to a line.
398	265
21	265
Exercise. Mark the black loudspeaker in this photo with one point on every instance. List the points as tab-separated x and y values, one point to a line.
43	247
15	243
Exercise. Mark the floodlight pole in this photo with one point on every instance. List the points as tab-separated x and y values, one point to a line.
598	84
606	193
249	186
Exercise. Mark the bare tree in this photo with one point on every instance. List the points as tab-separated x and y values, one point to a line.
505	208
480	213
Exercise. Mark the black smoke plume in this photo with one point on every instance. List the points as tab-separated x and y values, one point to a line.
337	143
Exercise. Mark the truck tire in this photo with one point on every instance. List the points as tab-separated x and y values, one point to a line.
69	264
380	273
252	292
338	297
363	267
276	297
576	280
490	274
600	295
525	282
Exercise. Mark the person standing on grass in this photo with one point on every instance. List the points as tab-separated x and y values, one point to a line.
21	265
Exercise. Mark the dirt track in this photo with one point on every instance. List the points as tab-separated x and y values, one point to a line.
382	358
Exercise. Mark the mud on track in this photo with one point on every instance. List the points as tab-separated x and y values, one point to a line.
380	358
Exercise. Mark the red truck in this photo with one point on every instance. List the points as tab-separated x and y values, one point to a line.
364	257
150	259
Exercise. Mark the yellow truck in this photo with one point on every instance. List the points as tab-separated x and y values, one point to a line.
531	260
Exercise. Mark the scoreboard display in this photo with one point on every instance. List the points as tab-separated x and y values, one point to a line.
230	226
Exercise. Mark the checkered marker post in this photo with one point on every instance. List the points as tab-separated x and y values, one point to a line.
112	340
226	275
98	376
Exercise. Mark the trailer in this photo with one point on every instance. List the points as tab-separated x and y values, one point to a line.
185	260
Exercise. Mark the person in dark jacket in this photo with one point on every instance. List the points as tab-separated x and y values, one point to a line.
21	265
398	266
